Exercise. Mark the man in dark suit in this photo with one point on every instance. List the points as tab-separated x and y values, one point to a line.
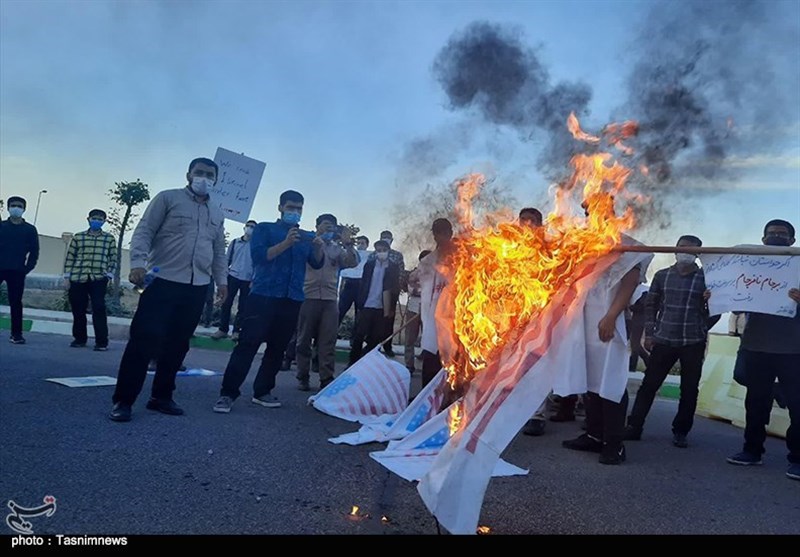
377	297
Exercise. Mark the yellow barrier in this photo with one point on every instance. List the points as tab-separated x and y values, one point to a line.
723	398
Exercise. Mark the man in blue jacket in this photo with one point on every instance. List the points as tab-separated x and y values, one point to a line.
19	252
280	251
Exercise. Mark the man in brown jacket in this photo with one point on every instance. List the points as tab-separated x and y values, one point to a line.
319	314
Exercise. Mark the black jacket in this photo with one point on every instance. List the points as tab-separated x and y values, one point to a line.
19	246
391	282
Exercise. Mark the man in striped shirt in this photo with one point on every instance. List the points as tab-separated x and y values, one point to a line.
677	323
90	263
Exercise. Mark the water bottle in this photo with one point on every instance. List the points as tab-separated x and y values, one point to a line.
149	277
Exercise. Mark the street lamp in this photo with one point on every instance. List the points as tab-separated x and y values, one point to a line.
38	200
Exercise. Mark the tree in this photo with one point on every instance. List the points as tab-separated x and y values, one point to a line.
413	218
126	195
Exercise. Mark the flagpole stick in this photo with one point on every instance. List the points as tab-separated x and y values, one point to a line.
397	332
738	250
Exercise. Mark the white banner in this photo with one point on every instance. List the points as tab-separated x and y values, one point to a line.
752	283
237	184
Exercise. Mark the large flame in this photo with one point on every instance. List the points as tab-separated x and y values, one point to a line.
501	276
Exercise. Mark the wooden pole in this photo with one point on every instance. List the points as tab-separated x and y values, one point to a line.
740	250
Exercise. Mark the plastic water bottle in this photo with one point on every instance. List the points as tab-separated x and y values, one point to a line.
149	277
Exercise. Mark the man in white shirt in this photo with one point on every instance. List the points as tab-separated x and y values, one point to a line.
240	275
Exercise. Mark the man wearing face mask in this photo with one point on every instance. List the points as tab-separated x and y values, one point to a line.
181	233
19	252
397	258
90	263
240	275
380	288
676	329
770	349
351	279
280	253
318	319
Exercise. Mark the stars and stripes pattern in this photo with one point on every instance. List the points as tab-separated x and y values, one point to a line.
373	386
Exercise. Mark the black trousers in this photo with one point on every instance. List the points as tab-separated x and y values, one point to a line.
243	288
348	296
431	365
15	281
270	320
79	295
762	369
370	327
605	419
165	319
662	358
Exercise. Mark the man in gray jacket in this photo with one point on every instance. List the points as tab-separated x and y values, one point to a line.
319	314
181	240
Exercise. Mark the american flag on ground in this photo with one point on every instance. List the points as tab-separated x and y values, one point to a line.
412	457
424	407
372	389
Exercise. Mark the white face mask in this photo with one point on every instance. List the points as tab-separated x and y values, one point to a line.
685	258
16	212
200	186
382	256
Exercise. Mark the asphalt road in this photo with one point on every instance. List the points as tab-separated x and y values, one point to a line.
272	471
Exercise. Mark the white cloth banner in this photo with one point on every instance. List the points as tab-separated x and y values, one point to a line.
424	407
237	184
751	283
371	391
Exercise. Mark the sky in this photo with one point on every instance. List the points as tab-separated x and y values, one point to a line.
330	94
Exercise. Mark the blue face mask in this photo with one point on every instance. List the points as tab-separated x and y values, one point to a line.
290	217
328	236
16	212
96	224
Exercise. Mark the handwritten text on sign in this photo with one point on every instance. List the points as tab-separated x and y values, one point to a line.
752	283
237	184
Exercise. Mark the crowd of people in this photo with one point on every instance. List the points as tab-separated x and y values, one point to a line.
297	284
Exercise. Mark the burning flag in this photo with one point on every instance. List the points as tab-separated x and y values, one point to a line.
518	318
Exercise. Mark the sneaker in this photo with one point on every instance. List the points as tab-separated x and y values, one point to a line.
793	473
76	344
679	440
745	459
219	334
303	385
584	442
164	406
17	340
121	412
223	405
632	433
611	454
235	336
534	428
267	401
101	348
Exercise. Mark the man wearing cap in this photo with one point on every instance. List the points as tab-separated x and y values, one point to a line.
90	263
19	252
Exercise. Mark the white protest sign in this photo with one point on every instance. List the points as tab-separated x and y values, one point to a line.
237	184
751	283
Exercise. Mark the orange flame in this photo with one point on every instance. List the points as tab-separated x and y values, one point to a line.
484	529
354	512
501	276
454	419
